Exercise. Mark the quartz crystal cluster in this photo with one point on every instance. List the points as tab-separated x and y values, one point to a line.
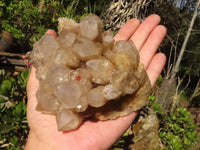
83	73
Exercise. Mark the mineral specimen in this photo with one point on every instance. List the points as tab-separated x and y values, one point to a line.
83	73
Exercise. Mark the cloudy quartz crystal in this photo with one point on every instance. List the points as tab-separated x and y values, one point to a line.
83	74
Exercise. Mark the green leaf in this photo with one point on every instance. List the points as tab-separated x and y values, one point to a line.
15	148
14	140
125	134
23	79
5	128
162	134
160	79
182	111
19	110
174	141
192	126
152	98
7	119
191	135
156	107
187	142
2	72
176	128
2	100
173	116
7	86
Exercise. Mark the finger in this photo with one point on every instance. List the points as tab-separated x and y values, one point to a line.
32	87
127	30
143	31
152	44
33	83
155	68
52	32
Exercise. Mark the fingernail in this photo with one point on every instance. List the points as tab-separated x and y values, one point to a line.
52	32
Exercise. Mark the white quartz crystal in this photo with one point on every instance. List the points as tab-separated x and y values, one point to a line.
84	74
95	97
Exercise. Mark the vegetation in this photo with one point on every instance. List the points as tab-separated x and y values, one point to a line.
177	130
13	122
27	20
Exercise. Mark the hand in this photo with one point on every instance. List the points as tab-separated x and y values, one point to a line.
99	135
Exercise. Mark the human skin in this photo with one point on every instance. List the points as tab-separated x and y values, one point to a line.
100	135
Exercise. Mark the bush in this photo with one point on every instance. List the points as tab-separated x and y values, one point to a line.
13	122
28	20
177	130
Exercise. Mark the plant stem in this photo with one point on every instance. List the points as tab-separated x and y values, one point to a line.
176	67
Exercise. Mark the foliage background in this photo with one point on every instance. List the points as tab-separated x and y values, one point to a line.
27	20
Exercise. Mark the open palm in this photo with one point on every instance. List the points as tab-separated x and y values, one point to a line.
99	135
